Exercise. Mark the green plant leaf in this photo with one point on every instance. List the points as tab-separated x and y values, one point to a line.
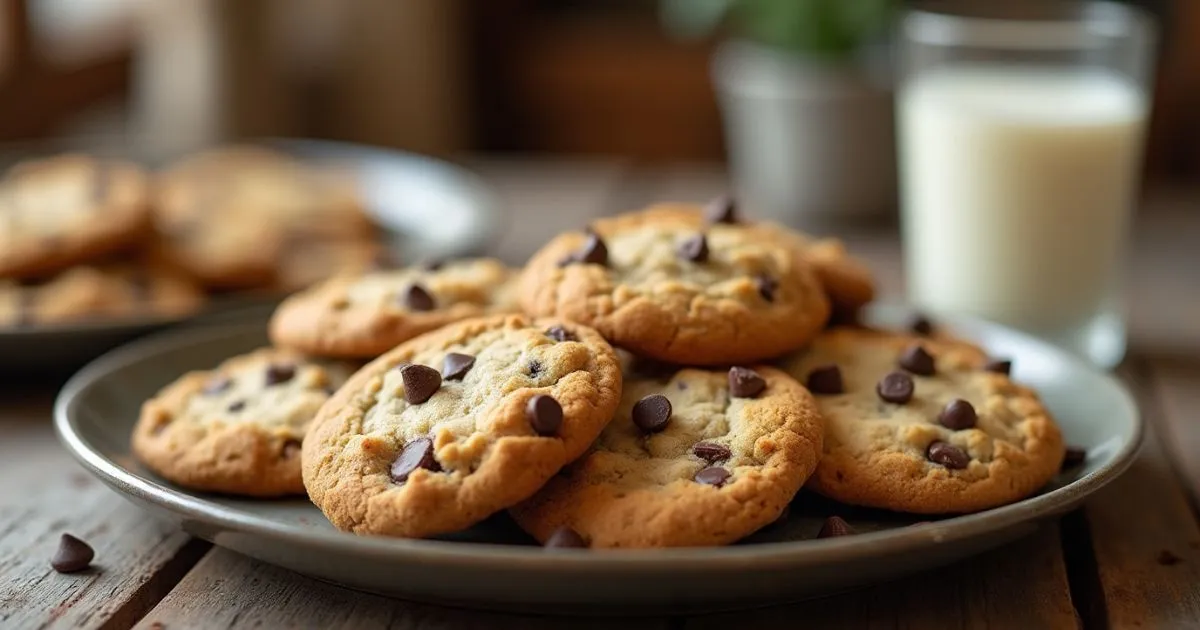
822	27
693	19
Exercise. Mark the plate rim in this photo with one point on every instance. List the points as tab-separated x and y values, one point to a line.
764	556
492	211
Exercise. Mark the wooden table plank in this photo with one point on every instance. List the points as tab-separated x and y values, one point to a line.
228	590
1176	386
1144	534
44	493
1021	586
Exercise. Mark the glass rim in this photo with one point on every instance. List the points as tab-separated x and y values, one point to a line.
1059	26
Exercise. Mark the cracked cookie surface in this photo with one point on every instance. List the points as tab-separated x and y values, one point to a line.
648	282
237	429
59	211
367	315
707	468
454	425
930	431
847	280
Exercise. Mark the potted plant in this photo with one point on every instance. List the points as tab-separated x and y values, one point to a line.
806	101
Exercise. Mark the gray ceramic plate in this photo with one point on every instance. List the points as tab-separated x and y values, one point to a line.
493	565
428	209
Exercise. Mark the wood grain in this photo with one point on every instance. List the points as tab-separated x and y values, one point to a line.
1144	535
228	590
1176	386
43	493
1021	586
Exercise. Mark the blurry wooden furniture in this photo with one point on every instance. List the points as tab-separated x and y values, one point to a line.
599	77
372	71
593	77
1174	143
36	95
1129	558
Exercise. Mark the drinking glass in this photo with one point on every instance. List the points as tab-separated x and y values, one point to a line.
1020	141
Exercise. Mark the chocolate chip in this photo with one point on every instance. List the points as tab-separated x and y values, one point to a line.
236	406
921	325
694	248
916	360
420	382
280	373
455	366
958	415
291	448
825	379
72	555
545	415
711	452
431	264
745	383
767	287
834	527
1074	457
593	252
535	368
216	385
417	298
652	413
896	387
384	261
565	538
723	209
560	334
416	454
948	455
713	476
999	366
1167	558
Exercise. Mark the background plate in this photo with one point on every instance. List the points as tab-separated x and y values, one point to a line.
493	565
428	209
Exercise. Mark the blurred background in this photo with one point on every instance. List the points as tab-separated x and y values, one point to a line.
640	79
570	109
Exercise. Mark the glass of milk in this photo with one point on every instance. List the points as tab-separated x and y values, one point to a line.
1021	131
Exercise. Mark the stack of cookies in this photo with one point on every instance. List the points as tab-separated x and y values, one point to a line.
668	377
84	238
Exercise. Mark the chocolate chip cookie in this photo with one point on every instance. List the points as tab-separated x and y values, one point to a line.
846	279
367	315
237	429
669	284
923	425
108	291
60	211
233	216
695	458
459	423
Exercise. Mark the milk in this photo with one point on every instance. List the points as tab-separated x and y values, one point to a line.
1017	189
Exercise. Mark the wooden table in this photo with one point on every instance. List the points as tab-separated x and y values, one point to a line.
1130	558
